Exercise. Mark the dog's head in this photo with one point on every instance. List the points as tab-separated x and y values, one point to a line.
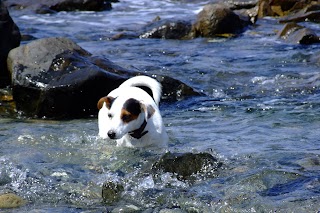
120	116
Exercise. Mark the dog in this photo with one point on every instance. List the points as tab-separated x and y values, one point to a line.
129	115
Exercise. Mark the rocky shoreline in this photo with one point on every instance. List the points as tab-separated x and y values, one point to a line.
51	77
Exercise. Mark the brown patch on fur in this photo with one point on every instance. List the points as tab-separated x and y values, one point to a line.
126	116
108	100
131	110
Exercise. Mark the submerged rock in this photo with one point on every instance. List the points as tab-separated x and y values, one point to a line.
111	192
296	34
9	38
55	78
11	200
187	164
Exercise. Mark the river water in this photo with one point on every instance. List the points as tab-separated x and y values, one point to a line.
260	117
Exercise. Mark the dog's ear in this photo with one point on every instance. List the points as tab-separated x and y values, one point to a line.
148	110
107	99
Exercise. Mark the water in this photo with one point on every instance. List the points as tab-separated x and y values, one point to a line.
260	117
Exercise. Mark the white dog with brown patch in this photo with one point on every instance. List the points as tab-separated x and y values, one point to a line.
131	116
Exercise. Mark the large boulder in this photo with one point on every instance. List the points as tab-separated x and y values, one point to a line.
44	6
218	19
9	38
55	78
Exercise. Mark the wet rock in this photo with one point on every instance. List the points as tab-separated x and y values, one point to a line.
7	104
111	192
308	13
168	29
292	10
9	38
217	19
57	79
246	9
296	34
11	200
44	6
187	164
174	90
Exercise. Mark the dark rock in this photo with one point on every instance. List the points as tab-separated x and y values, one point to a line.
174	90
168	29
9	38
186	165
296	34
309	13
57	79
217	19
111	192
44	6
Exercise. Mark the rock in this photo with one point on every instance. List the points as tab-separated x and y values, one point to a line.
11	200
174	90
296	34
7	104
168	29
265	9
217	19
242	4
187	164
9	38
111	192
44	6
57	79
310	12
290	10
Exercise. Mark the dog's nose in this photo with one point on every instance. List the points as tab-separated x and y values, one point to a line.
111	134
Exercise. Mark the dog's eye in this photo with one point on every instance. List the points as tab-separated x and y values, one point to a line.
110	115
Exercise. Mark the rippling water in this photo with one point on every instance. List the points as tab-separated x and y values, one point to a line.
261	118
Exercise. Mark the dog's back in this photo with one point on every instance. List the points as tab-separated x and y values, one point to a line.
140	81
